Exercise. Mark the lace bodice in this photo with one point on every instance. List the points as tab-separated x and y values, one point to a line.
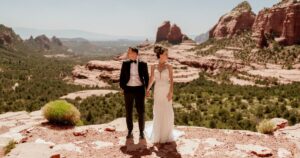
162	76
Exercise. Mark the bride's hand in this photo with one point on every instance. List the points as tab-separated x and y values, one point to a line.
170	96
147	93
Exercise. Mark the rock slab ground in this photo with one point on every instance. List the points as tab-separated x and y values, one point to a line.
36	138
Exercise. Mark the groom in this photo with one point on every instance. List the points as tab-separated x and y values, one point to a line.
134	80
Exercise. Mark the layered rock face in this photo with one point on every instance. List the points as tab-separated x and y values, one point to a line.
241	18
170	33
8	36
96	72
281	22
187	65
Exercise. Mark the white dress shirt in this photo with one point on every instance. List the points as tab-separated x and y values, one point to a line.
134	75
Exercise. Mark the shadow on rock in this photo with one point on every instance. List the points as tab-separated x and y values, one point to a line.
167	150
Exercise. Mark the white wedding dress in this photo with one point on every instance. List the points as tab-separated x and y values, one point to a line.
162	130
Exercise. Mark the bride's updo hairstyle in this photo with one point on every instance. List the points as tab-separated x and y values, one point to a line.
159	50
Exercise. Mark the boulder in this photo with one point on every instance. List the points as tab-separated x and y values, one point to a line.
80	132
279	122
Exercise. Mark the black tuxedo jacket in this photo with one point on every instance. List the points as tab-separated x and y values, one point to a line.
125	73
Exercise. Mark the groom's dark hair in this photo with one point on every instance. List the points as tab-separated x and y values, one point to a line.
134	49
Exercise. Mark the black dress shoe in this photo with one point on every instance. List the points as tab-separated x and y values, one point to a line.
129	136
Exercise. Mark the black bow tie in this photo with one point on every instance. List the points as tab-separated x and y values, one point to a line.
133	61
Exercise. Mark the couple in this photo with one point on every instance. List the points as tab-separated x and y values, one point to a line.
134	80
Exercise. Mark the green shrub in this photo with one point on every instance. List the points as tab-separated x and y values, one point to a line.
61	112
11	145
266	127
80	123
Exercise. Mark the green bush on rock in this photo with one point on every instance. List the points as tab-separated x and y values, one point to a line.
61	112
266	127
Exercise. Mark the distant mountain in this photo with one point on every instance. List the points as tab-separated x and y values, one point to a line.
74	40
202	38
92	36
83	46
45	44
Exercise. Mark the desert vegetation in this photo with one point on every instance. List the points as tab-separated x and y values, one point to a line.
209	104
247	51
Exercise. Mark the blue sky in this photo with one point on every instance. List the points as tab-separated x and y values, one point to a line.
119	17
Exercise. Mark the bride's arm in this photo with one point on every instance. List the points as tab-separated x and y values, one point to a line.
170	94
151	78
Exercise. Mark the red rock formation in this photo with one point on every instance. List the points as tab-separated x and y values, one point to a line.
175	35
281	23
239	19
169	33
163	31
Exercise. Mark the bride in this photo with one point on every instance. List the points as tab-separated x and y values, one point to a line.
162	130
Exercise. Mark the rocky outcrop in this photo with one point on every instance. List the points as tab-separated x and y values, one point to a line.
43	43
96	73
102	71
103	65
280	23
8	37
241	18
37	138
169	33
175	36
187	64
163	31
